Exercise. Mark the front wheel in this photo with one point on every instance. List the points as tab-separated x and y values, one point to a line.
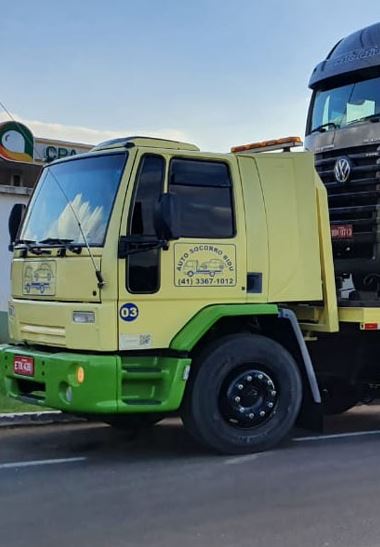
243	395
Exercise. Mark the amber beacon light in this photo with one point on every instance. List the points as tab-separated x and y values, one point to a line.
285	143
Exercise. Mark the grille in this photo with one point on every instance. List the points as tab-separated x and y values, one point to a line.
356	202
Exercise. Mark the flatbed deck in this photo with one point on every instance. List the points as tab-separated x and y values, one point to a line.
312	318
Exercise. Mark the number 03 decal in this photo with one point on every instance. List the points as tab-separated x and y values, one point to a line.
129	312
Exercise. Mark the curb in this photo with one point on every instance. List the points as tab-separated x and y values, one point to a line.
22	419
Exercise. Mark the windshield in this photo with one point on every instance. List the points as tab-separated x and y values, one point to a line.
342	106
88	186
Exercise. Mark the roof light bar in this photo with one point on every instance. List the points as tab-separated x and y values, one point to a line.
285	143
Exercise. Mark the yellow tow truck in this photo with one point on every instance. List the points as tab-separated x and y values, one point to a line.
150	278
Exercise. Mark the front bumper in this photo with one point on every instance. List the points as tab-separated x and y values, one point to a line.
111	383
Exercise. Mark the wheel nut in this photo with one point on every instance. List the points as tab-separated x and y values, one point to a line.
273	393
249	378
262	413
237	399
251	415
260	376
240	386
270	405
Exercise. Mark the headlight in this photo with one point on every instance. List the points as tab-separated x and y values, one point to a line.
84	317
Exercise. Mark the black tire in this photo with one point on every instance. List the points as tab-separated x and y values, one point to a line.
207	411
131	422
338	396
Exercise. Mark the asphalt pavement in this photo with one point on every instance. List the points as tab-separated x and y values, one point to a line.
82	485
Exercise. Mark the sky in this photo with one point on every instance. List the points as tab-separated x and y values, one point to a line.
214	72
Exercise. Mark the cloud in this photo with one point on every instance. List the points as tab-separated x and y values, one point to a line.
218	135
76	133
92	222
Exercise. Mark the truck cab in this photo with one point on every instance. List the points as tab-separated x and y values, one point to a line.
150	278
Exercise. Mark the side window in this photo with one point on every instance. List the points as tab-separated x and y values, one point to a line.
143	269
205	194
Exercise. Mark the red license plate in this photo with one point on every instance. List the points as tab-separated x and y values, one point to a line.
342	231
23	365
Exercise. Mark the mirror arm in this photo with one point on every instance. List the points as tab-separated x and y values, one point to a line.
129	245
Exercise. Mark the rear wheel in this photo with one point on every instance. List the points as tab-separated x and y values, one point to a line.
243	395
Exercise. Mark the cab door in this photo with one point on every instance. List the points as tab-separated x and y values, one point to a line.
161	289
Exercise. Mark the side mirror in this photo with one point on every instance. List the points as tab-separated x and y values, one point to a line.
15	218
167	217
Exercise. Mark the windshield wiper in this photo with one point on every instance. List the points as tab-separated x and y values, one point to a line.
64	244
32	247
322	128
56	241
26	242
373	117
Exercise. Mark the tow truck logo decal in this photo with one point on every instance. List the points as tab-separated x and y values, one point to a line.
39	278
205	265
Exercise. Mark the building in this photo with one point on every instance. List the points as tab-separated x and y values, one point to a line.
21	159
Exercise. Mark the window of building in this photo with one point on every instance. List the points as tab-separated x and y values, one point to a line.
16	180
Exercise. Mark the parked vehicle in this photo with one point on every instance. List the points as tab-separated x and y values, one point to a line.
343	130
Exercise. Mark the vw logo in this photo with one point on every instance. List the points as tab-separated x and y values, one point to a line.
342	169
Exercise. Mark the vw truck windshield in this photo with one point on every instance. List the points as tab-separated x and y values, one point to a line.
86	185
342	106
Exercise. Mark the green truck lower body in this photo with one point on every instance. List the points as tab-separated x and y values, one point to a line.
86	383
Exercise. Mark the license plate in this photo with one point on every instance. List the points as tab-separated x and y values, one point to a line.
23	365
342	231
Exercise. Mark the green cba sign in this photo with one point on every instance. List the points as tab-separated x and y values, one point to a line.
54	152
17	143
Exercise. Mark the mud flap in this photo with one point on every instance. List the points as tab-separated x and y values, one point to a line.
311	416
